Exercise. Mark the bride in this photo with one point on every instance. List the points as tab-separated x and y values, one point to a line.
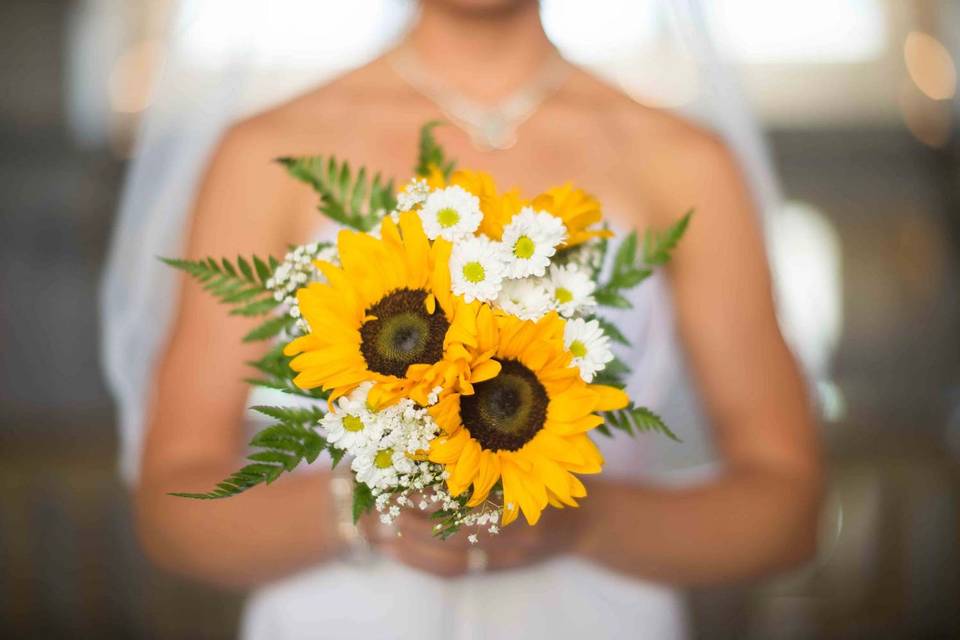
597	569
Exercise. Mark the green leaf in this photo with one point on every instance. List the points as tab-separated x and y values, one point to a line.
611	330
613	374
646	420
289	462
269	329
633	418
431	154
263	270
234	285
336	455
276	368
344	197
658	246
609	297
281	448
255	308
291	415
627	272
363	500
626	256
605	430
245	269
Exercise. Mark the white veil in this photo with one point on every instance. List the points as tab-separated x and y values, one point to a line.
213	74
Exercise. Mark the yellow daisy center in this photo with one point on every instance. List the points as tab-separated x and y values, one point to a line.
524	247
578	349
506	411
402	333
564	295
447	217
383	459
474	272
352	423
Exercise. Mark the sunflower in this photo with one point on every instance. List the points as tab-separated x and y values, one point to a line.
527	425
388	316
578	210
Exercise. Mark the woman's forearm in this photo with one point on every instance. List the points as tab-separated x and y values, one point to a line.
241	541
746	523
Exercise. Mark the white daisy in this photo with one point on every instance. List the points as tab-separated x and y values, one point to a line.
589	345
374	467
571	289
477	269
531	239
352	426
526	298
452	213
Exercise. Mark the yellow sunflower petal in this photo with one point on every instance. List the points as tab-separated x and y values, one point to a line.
556	448
572	427
467	466
447	449
515	492
484	371
609	398
593	459
487	476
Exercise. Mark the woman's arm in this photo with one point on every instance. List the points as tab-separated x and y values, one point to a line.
196	436
761	514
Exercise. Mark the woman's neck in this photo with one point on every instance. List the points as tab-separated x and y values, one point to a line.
484	54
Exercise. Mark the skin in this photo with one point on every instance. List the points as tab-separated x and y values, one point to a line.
757	517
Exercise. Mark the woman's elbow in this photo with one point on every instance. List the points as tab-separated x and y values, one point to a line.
801	522
171	544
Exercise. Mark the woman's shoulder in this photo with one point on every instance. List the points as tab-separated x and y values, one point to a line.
322	113
669	156
635	120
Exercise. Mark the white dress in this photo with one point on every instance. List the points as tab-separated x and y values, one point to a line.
566	597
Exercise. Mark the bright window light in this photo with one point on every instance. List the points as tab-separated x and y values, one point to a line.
811	31
601	30
290	33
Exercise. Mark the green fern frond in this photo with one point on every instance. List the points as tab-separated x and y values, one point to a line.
613	374
270	328
633	419
275	368
611	330
626	274
352	200
628	271
238	284
658	246
431	154
282	447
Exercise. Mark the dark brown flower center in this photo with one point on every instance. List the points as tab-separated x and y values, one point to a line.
507	411
403	333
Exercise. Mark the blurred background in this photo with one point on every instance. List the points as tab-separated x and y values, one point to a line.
859	101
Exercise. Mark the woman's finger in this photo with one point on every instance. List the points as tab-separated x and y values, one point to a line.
431	557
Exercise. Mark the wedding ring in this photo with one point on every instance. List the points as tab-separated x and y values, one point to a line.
477	560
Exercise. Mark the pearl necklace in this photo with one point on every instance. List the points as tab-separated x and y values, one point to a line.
490	127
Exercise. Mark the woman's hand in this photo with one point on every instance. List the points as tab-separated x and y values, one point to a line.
410	540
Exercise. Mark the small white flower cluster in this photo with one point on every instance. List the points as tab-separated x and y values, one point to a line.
413	195
587	256
296	271
486	516
386	446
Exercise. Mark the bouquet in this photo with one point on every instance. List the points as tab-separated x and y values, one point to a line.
449	343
